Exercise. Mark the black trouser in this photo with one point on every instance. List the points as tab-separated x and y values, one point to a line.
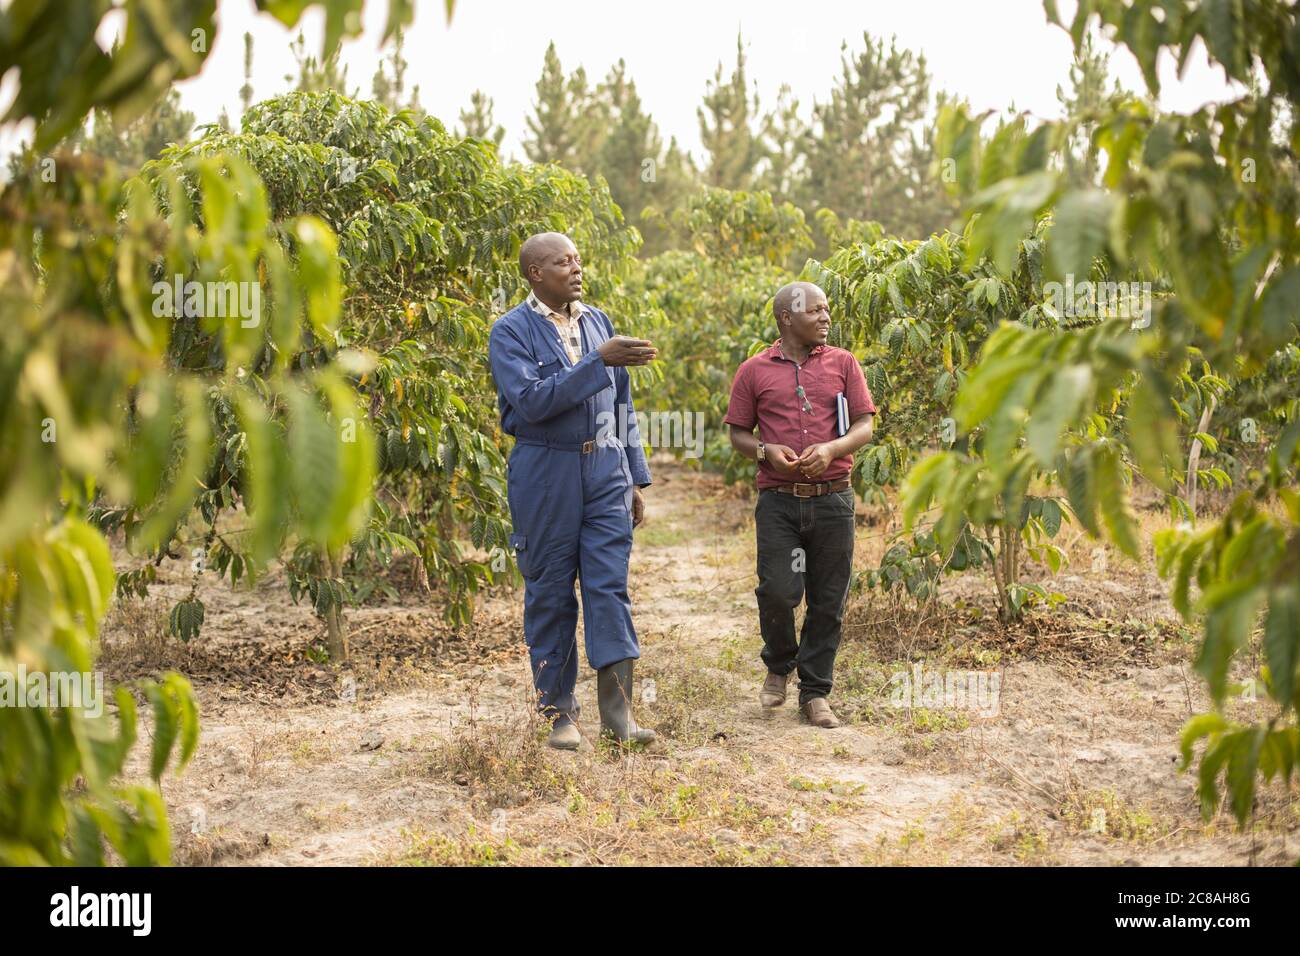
804	544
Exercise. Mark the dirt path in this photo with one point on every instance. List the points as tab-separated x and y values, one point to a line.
443	763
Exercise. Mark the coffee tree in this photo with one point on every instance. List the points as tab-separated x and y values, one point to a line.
917	313
97	416
1210	199
429	227
708	305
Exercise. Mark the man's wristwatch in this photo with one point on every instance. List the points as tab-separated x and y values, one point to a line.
762	452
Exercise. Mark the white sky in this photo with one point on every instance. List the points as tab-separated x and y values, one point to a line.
995	53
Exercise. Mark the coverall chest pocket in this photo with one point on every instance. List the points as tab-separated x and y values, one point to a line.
548	369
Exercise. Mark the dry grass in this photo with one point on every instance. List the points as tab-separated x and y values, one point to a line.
217	846
135	637
1105	813
465	778
688	695
687	800
502	764
962	831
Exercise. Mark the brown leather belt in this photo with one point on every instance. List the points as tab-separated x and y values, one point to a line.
812	489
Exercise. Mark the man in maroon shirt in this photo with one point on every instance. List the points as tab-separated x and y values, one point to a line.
804	516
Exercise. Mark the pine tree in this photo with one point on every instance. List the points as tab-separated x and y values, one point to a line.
141	140
925	205
677	178
554	128
867	156
596	109
643	177
725	128
606	132
629	155
1082	103
677	174
784	133
389	81
314	75
477	122
246	91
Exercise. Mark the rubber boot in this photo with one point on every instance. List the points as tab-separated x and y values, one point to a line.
614	695
564	734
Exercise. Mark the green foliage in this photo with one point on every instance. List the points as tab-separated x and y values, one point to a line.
722	225
919	313
82	293
1208	199
916	564
351	418
64	73
110	402
429	227
59	801
870	154
186	619
710	307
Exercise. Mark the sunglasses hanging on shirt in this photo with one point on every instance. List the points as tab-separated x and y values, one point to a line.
798	389
803	396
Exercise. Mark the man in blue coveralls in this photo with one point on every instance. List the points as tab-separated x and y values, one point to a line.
574	485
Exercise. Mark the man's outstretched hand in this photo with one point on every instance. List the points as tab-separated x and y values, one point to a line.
625	350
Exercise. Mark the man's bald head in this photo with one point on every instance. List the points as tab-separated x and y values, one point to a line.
553	268
795	298
537	249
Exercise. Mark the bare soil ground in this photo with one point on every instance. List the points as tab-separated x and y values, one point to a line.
423	749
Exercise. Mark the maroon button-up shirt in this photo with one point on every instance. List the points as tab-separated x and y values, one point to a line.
763	394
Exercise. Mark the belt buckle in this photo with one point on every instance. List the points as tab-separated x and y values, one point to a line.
588	446
803	484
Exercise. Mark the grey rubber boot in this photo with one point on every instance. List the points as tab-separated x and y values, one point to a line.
614	695
564	734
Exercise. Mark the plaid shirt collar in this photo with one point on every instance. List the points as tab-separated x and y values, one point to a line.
576	308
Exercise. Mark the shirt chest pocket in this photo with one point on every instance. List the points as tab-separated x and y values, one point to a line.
821	388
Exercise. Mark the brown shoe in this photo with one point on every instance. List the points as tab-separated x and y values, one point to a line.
819	713
773	692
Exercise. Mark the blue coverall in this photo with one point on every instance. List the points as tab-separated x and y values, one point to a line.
569	482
